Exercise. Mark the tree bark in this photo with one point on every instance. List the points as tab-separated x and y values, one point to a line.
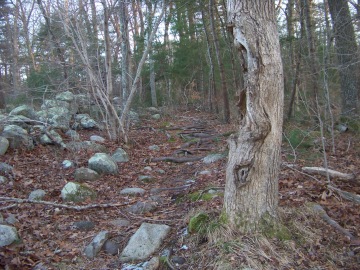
346	48
251	191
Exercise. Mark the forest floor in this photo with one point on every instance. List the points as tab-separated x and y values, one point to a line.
48	237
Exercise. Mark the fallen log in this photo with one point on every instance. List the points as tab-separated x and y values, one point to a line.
332	173
176	159
322	213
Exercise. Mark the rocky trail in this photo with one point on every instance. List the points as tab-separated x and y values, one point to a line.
175	169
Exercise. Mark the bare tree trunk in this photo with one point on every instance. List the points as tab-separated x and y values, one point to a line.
212	93
312	56
169	53
347	54
124	51
138	73
150	14
15	72
108	67
251	190
224	90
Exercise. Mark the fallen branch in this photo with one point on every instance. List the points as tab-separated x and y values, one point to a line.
72	207
346	195
176	159
332	173
322	213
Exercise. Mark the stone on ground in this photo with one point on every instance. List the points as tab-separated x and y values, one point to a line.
96	244
8	235
85	174
120	155
132	191
103	163
4	145
37	195
146	240
76	192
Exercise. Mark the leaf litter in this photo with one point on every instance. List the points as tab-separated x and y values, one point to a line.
49	240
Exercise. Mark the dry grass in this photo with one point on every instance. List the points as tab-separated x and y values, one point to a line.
224	248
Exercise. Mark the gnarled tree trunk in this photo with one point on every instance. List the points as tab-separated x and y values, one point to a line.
251	191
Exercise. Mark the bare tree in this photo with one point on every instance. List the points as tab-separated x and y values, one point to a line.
251	190
224	90
346	48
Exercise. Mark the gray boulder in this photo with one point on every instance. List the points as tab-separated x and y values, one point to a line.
133	117
96	138
24	110
83	102
120	222
73	135
5	168
153	110
103	163
8	235
96	244
85	121
52	103
84	225
111	247
141	207
58	117
37	195
120	155
146	240
76	192
54	138
67	164
18	137
65	96
19	120
156	116
3	180
85	174
86	145
4	145
132	191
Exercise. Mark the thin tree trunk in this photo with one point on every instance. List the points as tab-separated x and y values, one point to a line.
212	96
347	54
124	51
138	72
224	91
15	50
312	56
251	190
